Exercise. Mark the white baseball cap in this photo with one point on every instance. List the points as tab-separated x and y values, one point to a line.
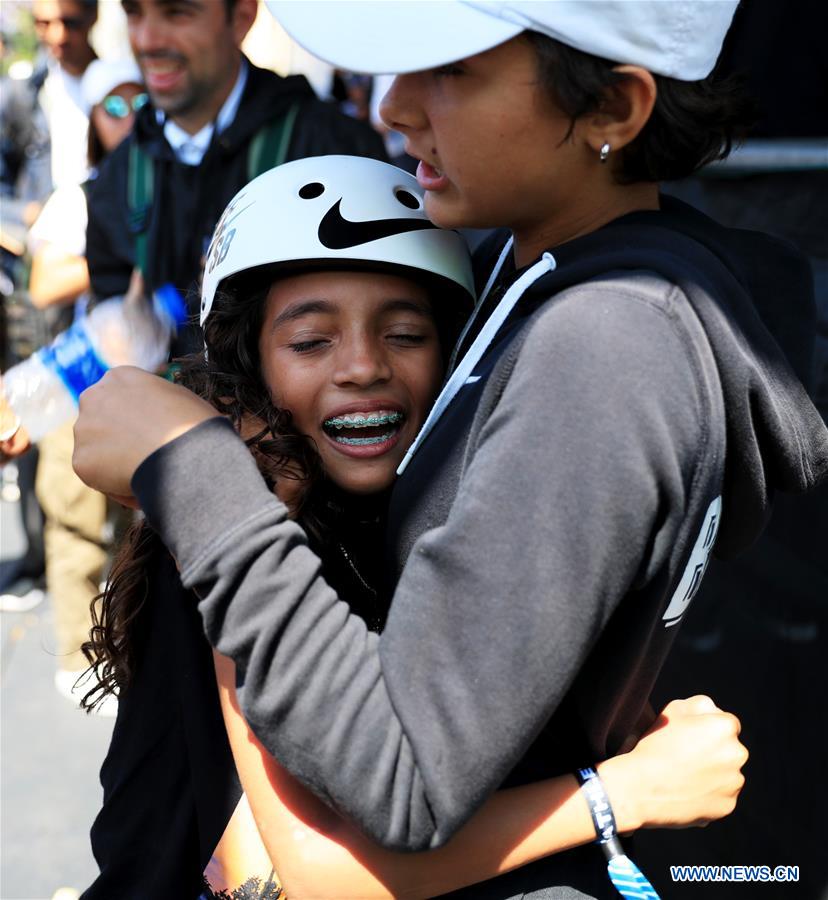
102	76
678	38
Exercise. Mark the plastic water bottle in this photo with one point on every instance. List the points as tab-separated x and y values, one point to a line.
43	390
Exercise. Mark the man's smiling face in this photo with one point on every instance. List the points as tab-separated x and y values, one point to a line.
188	51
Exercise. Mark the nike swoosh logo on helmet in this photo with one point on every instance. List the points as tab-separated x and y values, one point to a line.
338	233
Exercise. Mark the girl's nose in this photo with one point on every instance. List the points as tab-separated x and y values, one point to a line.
400	108
361	363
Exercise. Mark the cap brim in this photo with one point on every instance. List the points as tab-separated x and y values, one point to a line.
390	36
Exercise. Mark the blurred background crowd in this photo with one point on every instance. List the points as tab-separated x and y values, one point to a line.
73	226
71	91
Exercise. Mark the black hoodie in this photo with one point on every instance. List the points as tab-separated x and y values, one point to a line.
545	540
188	200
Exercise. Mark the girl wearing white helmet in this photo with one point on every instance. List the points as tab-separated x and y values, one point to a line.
328	303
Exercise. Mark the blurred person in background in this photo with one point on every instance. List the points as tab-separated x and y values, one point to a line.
214	121
352	92
47	110
63	26
113	91
79	521
43	128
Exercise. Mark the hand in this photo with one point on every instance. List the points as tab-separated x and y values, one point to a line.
123	419
136	292
14	439
685	770
14	446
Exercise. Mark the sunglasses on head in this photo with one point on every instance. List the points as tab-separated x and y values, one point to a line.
119	108
70	23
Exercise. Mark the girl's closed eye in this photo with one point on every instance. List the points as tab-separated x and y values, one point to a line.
409	338
308	345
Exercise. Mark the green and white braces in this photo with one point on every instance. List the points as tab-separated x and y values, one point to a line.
359	420
363	442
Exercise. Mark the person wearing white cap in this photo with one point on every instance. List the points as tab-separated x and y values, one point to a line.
293	321
616	409
112	91
78	519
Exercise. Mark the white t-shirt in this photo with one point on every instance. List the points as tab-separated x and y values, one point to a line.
68	118
62	222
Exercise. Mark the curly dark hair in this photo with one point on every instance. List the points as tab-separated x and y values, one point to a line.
228	377
692	123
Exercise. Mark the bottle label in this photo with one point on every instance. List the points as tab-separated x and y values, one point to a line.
73	359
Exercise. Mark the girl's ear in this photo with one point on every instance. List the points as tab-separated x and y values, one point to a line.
624	112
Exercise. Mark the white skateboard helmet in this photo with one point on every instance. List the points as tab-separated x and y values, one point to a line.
326	210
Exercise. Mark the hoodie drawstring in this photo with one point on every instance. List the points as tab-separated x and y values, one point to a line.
481	343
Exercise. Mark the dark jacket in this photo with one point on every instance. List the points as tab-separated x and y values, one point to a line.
188	200
169	782
546	539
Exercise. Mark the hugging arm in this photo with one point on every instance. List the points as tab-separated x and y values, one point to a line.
318	854
409	732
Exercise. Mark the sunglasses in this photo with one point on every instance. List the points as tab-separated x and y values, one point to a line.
119	108
70	23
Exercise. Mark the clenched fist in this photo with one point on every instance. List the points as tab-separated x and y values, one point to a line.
123	419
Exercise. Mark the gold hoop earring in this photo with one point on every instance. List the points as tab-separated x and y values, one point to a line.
603	154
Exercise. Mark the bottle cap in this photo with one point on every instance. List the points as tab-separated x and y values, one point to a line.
169	300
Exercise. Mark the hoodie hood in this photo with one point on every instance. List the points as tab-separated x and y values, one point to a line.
753	295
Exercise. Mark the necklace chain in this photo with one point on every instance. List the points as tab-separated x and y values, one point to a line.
355	570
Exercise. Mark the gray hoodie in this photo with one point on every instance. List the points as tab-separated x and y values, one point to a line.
545	541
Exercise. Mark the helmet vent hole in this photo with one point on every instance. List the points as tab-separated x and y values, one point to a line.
407	198
312	190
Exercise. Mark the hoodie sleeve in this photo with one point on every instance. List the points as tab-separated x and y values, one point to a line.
407	733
